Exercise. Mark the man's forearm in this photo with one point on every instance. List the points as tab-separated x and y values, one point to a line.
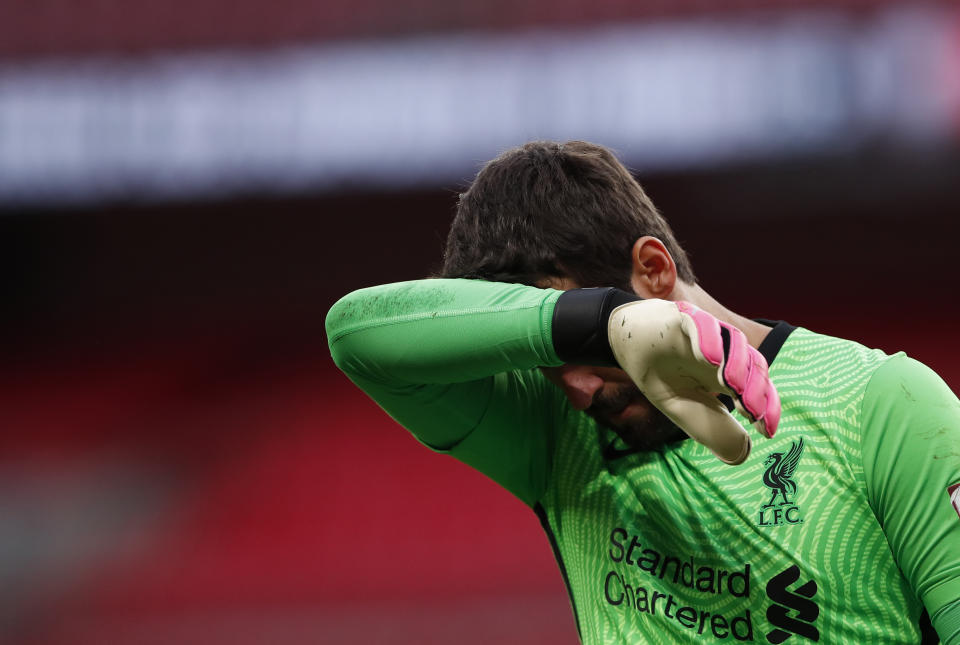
441	331
444	356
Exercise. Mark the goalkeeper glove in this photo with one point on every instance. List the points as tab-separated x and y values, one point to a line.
679	356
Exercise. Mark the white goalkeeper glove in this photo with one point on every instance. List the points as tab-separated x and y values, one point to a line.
681	357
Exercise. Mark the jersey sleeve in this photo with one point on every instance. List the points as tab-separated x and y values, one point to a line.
453	362
911	455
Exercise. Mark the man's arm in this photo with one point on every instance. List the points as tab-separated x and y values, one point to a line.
451	361
911	455
449	358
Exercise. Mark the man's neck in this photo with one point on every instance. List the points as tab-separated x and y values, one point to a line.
694	294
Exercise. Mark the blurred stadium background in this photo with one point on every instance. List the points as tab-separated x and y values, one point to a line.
186	187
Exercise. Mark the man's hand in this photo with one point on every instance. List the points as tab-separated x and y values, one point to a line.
681	357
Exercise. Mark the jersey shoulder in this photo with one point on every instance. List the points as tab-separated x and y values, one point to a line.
816	365
822	381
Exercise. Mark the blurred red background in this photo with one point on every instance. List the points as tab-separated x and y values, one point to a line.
182	463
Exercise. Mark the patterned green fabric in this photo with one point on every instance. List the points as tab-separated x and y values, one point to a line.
733	530
833	531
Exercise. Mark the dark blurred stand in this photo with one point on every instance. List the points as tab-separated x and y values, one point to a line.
857	240
183	464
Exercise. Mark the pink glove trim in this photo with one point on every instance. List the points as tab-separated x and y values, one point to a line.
736	369
772	413
708	332
743	368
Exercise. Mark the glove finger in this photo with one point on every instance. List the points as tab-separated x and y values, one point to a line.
738	361
771	417
704	418
746	372
704	332
758	386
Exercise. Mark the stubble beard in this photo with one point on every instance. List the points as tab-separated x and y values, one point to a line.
646	430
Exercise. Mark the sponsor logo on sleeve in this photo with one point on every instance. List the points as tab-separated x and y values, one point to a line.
954	493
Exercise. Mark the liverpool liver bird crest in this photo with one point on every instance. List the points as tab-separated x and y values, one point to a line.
779	473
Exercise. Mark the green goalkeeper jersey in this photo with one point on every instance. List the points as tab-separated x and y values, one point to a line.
840	529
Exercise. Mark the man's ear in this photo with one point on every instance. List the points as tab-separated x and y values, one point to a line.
653	271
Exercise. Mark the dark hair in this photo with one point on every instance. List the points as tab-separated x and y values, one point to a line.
548	209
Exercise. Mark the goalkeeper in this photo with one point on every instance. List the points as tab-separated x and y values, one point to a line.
568	353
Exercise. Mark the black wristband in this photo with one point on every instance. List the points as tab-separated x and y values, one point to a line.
580	324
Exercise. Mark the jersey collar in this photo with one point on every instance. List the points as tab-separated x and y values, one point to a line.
770	346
